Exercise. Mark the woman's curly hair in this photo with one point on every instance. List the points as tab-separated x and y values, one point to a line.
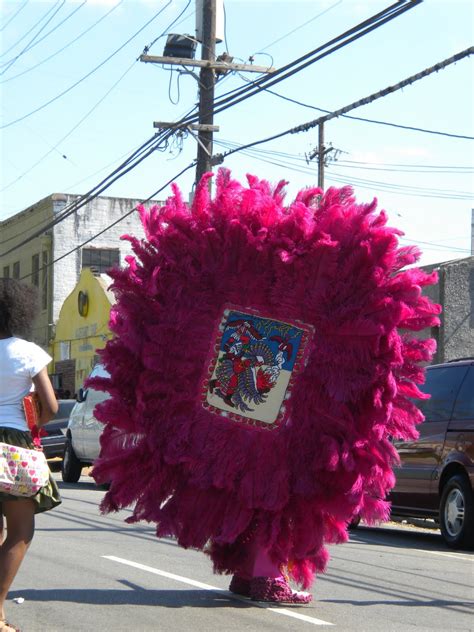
18	307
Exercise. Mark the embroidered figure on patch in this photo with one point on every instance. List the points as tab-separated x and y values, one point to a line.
255	361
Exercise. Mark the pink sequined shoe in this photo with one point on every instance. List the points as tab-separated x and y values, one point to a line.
240	586
276	590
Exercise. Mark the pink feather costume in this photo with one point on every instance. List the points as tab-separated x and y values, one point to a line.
180	445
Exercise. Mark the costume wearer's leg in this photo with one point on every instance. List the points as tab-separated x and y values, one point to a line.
264	566
270	584
267	582
20	522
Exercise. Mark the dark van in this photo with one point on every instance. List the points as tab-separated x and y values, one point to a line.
436	478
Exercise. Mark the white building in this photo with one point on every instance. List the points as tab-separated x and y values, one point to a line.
53	258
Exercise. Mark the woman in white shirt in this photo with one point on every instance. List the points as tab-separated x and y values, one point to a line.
22	365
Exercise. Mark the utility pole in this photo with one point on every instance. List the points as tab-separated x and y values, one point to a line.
206	89
321	155
210	68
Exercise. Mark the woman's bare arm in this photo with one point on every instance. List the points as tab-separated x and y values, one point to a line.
44	388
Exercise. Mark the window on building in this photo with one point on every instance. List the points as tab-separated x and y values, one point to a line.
16	270
44	280
100	259
35	264
6	272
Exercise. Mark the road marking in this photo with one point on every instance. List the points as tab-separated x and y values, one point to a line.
193	582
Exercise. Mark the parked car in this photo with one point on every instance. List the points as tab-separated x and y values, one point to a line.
436	477
83	432
55	438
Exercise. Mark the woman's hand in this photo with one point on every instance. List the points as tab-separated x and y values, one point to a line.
49	404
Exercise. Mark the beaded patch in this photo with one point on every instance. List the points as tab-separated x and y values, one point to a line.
254	362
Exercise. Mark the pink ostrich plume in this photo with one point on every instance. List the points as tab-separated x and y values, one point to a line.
277	426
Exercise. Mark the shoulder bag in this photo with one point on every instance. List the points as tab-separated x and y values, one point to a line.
23	472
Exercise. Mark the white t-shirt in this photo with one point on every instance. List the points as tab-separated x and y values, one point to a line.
20	361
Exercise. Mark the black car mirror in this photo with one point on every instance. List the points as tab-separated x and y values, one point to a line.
81	395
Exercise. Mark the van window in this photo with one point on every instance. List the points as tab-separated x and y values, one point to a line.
442	384
464	408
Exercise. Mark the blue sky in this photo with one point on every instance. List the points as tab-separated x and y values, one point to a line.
76	102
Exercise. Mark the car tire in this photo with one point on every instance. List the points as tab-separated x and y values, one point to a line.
354	523
456	513
71	468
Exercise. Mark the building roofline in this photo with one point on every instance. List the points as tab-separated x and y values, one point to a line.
63	197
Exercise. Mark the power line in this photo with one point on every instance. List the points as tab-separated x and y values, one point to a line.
60	50
29	31
58	96
378	166
377	185
408	165
359	30
94	107
311	124
14	15
320	14
52	30
132	161
43	222
335	44
30	43
341	163
390	89
147	48
423	191
438	246
140	154
120	219
367	120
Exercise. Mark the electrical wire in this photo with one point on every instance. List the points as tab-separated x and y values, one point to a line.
333	6
147	48
58	96
133	160
363	28
60	50
29	31
355	33
389	10
439	246
366	120
378	166
340	163
31	42
396	164
225	28
61	140
370	24
137	156
14	15
52	30
371	184
88	113
43	222
120	219
307	126
177	87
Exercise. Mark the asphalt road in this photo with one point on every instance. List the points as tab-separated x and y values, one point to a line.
85	571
